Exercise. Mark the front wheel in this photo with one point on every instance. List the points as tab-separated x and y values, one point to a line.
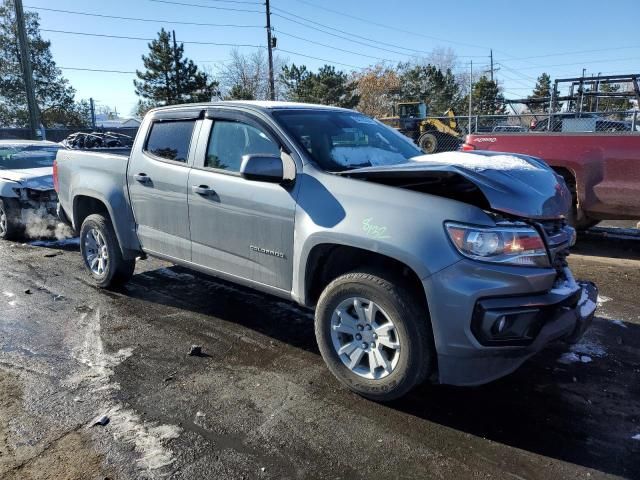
101	253
10	228
373	335
428	142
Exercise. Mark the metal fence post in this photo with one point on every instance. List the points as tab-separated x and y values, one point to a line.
476	129
634	121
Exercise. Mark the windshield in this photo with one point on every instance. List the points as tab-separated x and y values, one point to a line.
340	141
19	157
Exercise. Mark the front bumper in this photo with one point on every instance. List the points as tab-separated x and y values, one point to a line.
474	300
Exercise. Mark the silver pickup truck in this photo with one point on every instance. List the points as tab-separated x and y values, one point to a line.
448	267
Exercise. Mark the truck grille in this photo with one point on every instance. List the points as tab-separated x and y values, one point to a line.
558	236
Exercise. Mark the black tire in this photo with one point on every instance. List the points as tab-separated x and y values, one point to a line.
10	228
118	271
577	218
416	358
428	142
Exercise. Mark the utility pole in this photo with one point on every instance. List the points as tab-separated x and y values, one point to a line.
491	56
272	87
27	73
177	67
470	93
93	113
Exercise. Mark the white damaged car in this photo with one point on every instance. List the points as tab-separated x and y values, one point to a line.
26	184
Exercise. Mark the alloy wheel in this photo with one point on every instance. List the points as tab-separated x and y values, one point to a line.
365	338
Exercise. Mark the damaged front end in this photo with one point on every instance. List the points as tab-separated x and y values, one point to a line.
512	292
35	199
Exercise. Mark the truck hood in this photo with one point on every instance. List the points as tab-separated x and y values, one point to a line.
514	184
34	178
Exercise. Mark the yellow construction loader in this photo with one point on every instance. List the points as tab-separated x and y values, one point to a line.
430	134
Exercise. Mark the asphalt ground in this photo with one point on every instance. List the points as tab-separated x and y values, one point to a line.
259	402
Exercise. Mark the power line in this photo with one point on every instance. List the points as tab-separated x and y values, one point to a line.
207	6
95	70
337	36
236	1
144	19
583	62
573	53
343	14
121	37
321	59
334	48
284	14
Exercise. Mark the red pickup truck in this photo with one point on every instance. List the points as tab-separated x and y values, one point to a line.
602	170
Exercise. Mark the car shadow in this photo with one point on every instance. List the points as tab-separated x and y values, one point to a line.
583	411
606	246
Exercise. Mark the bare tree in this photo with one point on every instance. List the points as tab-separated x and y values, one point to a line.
444	58
246	76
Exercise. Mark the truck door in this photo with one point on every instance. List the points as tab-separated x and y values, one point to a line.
158	178
239	227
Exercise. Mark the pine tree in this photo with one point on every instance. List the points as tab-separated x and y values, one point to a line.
170	78
429	84
54	95
542	90
486	98
608	104
326	87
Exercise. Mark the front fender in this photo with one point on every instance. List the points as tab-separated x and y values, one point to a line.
7	188
400	224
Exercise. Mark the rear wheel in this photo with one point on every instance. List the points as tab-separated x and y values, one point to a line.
101	253
373	335
10	227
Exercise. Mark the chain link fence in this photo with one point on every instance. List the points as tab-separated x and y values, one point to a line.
446	133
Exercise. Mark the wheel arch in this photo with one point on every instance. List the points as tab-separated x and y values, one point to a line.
89	203
327	261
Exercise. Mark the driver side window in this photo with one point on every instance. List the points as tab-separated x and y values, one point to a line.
230	140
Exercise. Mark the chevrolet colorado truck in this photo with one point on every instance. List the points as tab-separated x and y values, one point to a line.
448	267
602	170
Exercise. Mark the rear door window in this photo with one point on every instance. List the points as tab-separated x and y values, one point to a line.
170	140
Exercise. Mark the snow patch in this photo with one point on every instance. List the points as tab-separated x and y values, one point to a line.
602	299
619	323
567	286
583	352
473	161
8	294
166	272
148	438
589	347
570	357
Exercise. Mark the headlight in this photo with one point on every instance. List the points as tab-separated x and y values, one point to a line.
521	245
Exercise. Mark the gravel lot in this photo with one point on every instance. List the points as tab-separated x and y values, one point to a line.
260	404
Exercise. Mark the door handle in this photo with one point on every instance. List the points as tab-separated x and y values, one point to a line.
142	178
202	190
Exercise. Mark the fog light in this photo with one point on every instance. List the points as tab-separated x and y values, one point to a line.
500	325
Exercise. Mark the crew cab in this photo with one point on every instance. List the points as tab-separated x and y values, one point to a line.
448	267
602	170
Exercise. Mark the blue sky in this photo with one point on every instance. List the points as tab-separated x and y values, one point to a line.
527	38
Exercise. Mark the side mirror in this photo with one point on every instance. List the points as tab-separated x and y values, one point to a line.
262	168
